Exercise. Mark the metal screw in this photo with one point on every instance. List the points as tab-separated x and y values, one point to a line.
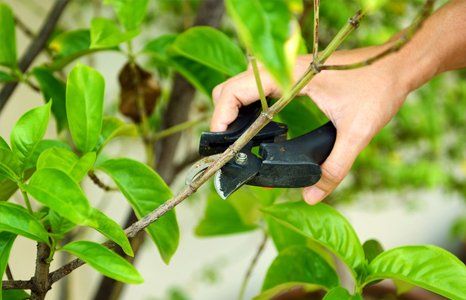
241	158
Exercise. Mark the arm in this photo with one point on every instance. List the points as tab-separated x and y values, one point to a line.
360	102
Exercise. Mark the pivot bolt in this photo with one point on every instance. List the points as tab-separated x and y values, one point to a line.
241	158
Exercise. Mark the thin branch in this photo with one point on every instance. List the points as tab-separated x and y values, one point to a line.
399	43
17	285
9	274
252	265
315	47
178	128
40	281
24	28
263	119
35	48
96	180
257	77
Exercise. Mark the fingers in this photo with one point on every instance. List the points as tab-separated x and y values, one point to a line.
334	169
234	93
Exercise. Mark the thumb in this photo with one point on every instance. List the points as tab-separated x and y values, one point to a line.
334	169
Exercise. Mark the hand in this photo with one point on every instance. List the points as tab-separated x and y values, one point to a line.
359	102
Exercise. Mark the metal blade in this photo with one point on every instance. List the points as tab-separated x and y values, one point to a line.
199	167
236	173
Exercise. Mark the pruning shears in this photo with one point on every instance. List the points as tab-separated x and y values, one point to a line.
279	163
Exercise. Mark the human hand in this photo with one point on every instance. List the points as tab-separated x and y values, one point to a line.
359	102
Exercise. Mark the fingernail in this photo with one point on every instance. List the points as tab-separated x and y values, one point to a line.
313	195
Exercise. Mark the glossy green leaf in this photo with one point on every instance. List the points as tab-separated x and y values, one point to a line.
270	33
53	89
7	36
291	288
212	48
340	293
6	242
158	47
145	191
4	144
29	131
16	219
300	264
67	162
106	34
428	267
15	295
9	165
130	13
59	224
41	147
282	236
111	230
372	248
9	187
325	225
105	261
84	106
58	191
112	128
5	77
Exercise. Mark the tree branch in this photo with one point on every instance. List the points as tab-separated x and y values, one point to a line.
252	265
257	77
17	285
399	43
40	281
96	180
263	119
34	49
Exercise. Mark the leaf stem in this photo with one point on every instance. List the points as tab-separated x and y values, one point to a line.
252	265
177	128
26	201
257	77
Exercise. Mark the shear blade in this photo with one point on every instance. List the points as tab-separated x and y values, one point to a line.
199	167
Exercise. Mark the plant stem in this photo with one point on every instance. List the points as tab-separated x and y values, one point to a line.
263	119
315	47
9	274
177	128
27	202
252	265
257	77
41	282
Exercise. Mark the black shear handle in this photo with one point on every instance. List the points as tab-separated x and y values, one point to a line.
315	145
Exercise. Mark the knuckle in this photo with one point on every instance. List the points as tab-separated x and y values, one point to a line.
333	173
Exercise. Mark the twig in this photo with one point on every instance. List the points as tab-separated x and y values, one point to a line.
9	274
24	28
402	40
315	47
96	180
27	202
260	88
17	285
252	265
263	119
178	128
36	46
41	283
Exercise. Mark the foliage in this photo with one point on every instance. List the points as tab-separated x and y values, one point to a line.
307	238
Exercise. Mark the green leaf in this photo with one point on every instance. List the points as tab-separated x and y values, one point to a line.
84	106
5	77
54	89
58	191
130	13
4	144
15	295
158	48
106	34
145	190
111	230
428	267
16	219
282	236
105	261
9	187
9	165
7	36
326	226
291	288
340	293
300	264
221	218
372	248
41	147
59	224
212	48
112	128
6	242
29	131
270	33
67	162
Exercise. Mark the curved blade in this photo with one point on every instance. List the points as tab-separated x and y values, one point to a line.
233	175
199	167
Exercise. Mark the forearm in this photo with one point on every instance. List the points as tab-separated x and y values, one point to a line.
438	46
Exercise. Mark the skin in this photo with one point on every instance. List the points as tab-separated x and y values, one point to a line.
359	102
